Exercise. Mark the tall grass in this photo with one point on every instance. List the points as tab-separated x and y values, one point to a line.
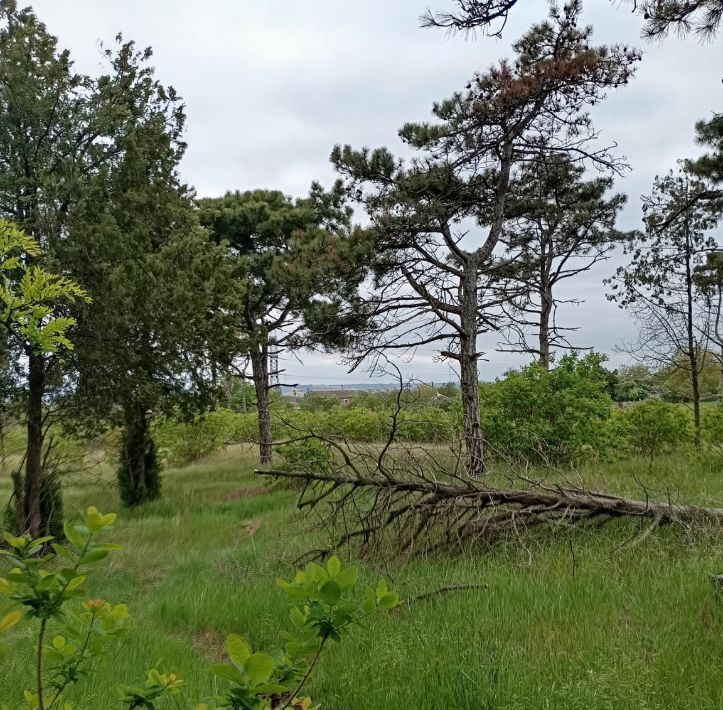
574	620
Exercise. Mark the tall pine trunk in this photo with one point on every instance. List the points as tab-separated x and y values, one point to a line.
546	304
31	517
469	373
692	345
544	335
260	373
139	472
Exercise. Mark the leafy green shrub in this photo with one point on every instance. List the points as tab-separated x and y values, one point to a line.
40	592
182	442
657	427
324	609
305	455
359	424
557	415
430	424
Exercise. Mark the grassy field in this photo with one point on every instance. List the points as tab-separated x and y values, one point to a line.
576	622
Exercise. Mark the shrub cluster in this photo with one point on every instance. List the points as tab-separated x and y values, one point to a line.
564	415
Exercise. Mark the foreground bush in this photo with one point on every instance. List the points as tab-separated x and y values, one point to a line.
324	609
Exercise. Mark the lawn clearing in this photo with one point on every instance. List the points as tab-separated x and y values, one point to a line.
573	621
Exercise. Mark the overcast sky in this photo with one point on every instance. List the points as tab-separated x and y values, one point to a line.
272	85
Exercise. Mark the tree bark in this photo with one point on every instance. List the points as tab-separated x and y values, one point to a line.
546	303
139	472
469	373
260	373
691	333
31	521
544	336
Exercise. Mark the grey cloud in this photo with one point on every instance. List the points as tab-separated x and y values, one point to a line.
272	85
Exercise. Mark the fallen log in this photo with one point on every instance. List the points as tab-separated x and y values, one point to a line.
440	512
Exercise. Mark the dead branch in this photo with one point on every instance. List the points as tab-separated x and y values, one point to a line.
425	511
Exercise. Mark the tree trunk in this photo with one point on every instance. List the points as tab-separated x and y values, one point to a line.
260	372
139	472
469	374
31	521
546	302
692	345
544	335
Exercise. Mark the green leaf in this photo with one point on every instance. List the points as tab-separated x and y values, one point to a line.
237	648
389	600
370	601
94	555
330	592
75	583
333	566
18	542
10	620
297	616
74	535
259	667
42	540
64	552
347	578
227	672
382	588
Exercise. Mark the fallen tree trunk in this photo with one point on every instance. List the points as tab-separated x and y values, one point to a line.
463	511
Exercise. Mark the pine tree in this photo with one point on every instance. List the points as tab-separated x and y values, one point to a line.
560	226
298	264
658	286
440	221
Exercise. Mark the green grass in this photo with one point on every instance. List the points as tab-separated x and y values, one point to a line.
571	621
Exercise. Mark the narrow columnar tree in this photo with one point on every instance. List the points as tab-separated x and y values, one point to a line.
658	286
439	221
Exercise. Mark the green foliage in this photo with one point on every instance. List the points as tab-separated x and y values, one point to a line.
557	415
157	685
306	455
324	609
655	427
430	424
314	402
675	380
40	584
31	298
182	442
